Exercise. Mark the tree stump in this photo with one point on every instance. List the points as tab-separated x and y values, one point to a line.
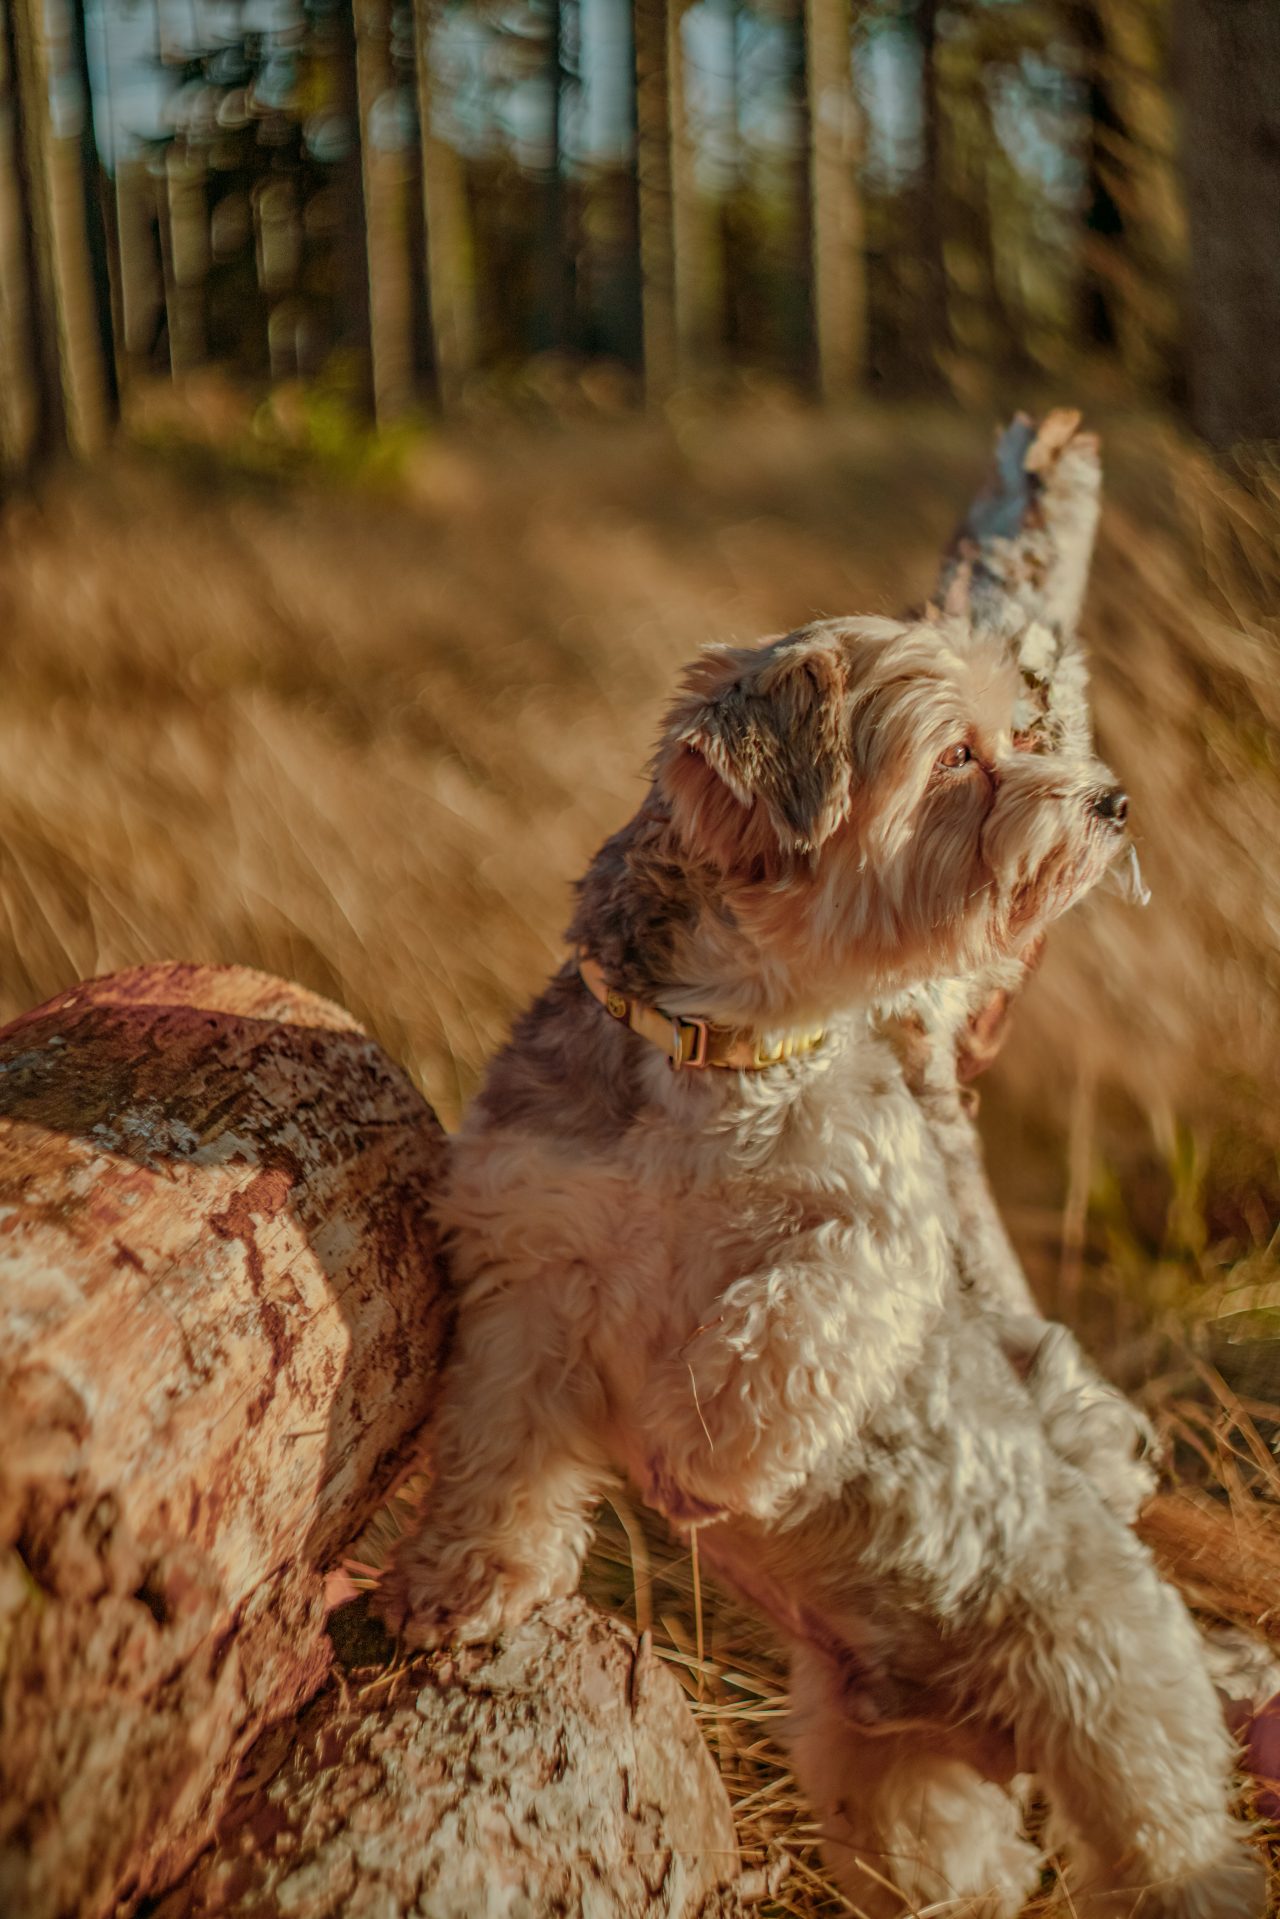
558	1774
220	1320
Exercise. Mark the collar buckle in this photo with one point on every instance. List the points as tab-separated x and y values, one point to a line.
681	1025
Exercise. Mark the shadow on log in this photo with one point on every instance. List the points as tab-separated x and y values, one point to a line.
220	1319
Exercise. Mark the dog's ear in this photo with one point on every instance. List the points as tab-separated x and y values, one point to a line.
755	757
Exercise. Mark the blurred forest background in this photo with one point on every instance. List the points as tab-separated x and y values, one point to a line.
447	202
442	375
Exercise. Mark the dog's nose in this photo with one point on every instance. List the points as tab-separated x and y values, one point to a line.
1111	805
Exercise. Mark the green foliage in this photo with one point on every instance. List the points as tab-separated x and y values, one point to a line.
318	430
1191	1272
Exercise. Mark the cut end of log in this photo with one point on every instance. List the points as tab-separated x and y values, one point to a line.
220	1319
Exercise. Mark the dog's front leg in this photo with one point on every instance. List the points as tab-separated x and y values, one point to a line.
515	1472
1087	1420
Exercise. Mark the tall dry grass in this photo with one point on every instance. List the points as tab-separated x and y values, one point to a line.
367	739
370	739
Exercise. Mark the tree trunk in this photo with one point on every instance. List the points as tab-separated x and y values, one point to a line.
839	272
933	328
698	238
450	235
219	1326
1229	69
77	373
388	183
560	1773
20	415
1134	237
654	191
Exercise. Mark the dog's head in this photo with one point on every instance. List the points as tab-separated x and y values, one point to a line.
859	791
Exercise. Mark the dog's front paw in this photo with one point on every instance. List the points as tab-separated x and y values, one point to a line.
1113	1445
1244	1668
1092	1425
488	1599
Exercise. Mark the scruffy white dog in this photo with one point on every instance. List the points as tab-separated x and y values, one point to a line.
759	1285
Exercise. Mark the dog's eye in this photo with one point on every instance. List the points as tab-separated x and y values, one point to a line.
956	756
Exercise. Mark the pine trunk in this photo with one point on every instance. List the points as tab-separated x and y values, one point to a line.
1229	67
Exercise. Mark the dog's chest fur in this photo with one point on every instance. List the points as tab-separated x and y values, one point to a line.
628	1202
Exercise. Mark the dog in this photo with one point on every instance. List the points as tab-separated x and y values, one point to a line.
712	1225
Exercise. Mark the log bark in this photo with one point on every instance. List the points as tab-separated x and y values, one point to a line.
220	1318
560	1773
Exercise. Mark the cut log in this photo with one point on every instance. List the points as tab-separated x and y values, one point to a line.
561	1773
220	1317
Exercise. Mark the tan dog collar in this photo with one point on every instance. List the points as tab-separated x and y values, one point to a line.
689	1041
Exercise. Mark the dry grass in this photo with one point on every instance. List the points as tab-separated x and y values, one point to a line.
367	740
370	740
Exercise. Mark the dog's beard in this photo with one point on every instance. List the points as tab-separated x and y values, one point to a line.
979	872
1045	844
